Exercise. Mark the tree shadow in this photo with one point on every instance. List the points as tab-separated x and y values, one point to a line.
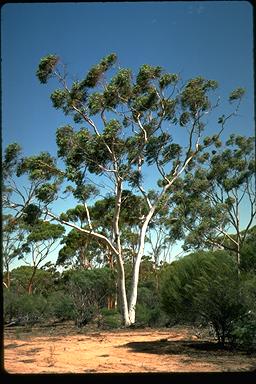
177	347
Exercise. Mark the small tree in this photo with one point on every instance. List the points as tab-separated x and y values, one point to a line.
210	200
13	234
17	201
14	244
41	241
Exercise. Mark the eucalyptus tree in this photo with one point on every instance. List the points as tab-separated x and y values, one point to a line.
12	233
17	203
13	244
79	251
41	241
125	127
215	204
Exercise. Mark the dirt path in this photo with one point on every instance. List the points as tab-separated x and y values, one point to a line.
147	350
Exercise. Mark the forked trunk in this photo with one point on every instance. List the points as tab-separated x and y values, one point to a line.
136	267
120	263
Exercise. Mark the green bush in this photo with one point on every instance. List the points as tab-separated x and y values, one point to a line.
218	300
88	290
148	309
110	318
243	333
9	305
178	289
142	315
24	309
60	306
205	287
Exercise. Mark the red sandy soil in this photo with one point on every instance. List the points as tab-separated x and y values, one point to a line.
64	349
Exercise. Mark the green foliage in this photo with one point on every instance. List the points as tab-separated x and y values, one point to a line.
248	252
60	306
111	318
102	211
43	281
79	248
69	100
146	101
131	130
145	75
243	329
58	98
119	89
243	333
45	231
97	71
96	103
167	79
32	214
148	310
46	67
47	192
64	139
88	290
112	129
184	118
177	295
205	287
41	167
168	109
194	95
23	309
11	157
155	146
210	194
236	94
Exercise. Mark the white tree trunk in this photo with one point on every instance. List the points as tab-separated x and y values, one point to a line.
123	296
136	267
120	263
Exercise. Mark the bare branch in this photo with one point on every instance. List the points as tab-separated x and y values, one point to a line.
98	236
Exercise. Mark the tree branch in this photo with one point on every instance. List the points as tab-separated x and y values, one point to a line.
88	232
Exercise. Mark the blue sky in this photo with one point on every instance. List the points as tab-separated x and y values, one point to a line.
213	39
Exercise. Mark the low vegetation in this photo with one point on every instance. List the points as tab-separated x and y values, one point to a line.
202	289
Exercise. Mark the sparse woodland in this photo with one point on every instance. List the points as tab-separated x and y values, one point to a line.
138	167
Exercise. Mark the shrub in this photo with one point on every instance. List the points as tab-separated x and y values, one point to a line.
88	290
218	300
148	309
142	315
178	289
24	309
110	318
60	306
205	287
243	333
